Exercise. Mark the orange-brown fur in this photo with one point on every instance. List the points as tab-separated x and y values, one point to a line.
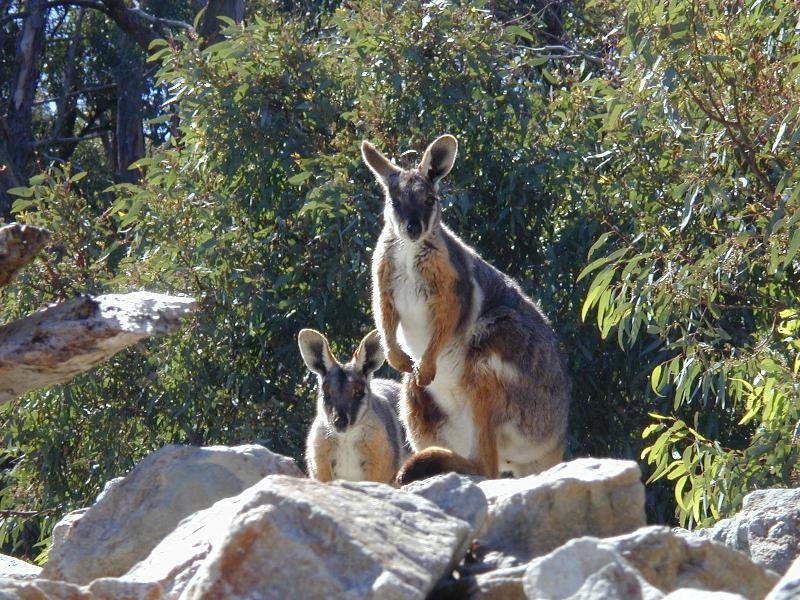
432	461
318	458
379	461
389	320
440	277
423	416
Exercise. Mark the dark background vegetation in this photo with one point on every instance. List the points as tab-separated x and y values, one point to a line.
632	164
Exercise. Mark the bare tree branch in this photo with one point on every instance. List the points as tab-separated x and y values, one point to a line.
56	344
142	27
568	53
55	141
80	92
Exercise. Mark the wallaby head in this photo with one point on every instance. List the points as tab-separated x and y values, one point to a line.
413	207
343	391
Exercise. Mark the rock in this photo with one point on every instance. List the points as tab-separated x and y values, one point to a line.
287	537
585	569
616	581
531	516
502	584
455	494
695	594
133	515
670	561
788	588
59	342
767	528
14	568
662	560
41	589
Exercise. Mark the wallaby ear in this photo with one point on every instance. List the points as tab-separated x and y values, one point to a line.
369	356
381	166
439	157
315	351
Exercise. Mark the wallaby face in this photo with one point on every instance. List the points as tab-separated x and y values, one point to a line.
343	388
413	207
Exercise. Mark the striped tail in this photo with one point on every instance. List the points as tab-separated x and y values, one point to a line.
433	461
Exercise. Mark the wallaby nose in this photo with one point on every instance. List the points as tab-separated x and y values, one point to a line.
340	421
414	229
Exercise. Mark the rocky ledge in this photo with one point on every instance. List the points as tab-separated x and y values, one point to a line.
243	522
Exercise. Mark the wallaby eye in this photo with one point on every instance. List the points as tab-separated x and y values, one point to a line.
430	200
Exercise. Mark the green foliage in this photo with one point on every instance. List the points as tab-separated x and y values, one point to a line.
703	188
259	206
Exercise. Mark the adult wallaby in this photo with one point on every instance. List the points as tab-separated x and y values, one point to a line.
356	434
486	389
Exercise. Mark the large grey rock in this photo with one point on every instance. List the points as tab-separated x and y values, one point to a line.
616	581
41	589
584	569
788	588
531	516
133	515
14	568
767	528
457	495
663	560
287	537
502	584
695	594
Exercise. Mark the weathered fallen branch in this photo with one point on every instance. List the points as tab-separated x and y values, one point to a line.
58	343
18	245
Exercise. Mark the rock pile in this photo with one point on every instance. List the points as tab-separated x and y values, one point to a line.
243	522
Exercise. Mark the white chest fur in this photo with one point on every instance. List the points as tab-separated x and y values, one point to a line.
408	293
414	333
348	457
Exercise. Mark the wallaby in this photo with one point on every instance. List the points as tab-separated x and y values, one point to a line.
356	434
486	389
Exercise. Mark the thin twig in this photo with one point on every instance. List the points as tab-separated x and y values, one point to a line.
25	514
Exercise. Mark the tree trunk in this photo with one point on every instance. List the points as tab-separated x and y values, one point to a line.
66	113
210	24
129	138
15	134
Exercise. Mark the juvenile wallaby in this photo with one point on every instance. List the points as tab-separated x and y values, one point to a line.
486	389
356	434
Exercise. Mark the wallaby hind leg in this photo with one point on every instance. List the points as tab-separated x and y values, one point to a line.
540	465
483	389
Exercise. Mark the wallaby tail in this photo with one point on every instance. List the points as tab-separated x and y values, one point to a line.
433	461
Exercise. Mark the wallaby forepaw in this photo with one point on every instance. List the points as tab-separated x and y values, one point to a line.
400	361
424	374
